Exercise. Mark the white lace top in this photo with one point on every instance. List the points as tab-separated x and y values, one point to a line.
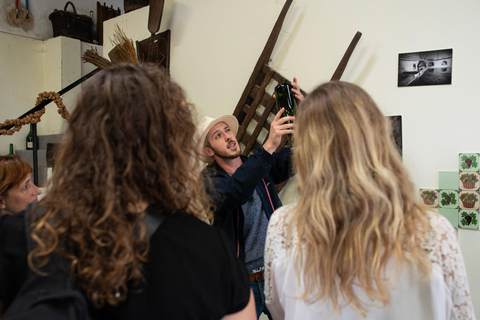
445	295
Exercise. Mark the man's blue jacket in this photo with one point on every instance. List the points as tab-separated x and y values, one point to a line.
260	171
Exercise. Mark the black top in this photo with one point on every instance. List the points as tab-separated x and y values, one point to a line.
13	256
192	272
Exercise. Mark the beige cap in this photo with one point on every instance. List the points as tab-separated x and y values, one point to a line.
204	127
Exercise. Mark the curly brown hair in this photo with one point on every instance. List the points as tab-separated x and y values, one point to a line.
130	140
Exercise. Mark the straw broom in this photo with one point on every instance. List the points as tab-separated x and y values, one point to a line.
92	56
124	51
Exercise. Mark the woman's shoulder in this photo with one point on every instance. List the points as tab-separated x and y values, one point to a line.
9	219
187	223
187	231
440	232
445	256
440	235
12	224
439	222
277	231
280	216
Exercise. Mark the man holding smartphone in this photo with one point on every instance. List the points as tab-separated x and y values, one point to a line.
243	189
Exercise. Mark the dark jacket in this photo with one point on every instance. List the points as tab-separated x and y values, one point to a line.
260	171
13	256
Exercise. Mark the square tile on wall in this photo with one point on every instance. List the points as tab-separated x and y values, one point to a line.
468	200
429	197
468	180
448	198
468	219
468	162
451	215
448	180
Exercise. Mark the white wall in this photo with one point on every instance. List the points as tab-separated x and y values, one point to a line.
21	72
216	43
29	67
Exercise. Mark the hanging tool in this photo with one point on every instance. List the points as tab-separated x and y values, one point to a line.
17	17
154	19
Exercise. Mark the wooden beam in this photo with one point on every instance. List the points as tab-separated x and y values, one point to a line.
343	63
265	56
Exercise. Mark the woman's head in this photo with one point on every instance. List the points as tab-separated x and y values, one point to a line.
16	188
130	140
357	205
342	135
130	143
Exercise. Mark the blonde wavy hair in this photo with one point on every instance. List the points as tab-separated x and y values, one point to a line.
130	140
357	208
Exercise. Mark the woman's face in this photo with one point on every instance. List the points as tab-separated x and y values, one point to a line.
17	198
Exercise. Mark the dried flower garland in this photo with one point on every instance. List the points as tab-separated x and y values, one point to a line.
35	117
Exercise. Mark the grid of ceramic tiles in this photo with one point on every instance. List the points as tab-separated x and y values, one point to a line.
457	196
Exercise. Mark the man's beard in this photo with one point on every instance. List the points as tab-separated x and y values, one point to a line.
225	155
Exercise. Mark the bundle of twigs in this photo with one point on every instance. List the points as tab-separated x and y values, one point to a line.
92	56
124	51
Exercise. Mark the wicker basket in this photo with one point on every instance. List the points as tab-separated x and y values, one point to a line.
71	24
130	5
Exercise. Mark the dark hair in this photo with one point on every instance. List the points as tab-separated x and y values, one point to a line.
130	140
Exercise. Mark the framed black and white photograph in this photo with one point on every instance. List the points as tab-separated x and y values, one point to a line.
425	68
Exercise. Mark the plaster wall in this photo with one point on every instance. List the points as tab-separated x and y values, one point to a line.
29	67
62	66
21	79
